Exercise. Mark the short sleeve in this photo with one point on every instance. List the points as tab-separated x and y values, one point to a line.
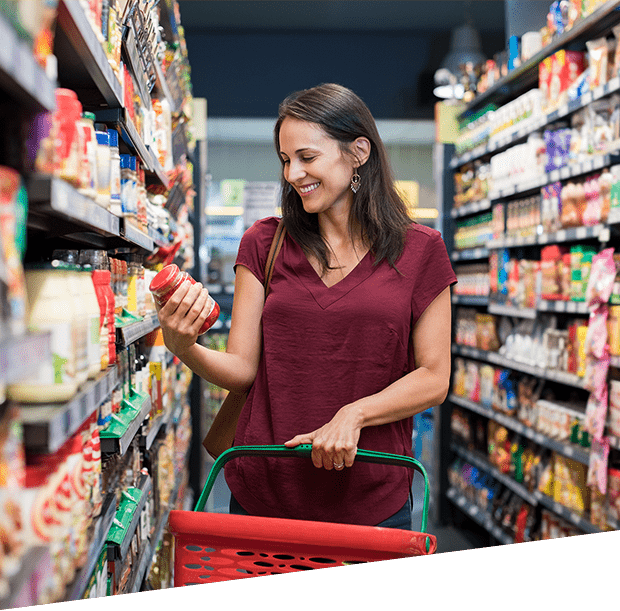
434	274
255	245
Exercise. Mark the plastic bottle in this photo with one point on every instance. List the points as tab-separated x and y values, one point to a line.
80	322
52	310
115	174
91	305
103	169
166	283
88	170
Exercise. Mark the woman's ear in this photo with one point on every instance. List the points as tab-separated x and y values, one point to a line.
361	150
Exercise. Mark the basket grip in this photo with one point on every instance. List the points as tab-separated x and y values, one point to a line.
306	450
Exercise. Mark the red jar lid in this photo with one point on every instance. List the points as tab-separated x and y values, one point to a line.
164	279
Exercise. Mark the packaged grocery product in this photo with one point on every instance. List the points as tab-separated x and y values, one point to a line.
613	495
601	279
614	408
52	309
166	283
597	61
596	413
596	337
597	469
68	142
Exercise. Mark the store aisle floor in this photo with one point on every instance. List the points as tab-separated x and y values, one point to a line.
449	539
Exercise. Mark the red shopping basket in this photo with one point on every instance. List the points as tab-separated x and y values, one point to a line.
212	547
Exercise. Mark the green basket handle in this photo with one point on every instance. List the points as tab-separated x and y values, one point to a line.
305	450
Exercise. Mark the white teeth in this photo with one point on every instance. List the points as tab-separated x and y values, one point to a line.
309	188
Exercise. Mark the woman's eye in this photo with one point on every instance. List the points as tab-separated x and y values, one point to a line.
307	159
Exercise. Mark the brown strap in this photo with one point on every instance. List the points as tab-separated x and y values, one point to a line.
276	244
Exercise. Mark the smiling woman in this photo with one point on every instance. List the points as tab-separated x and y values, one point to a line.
353	338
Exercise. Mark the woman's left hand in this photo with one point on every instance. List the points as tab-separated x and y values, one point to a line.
334	445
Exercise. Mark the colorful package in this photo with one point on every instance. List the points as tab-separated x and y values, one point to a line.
602	276
597	469
596	372
596	338
596	413
614	408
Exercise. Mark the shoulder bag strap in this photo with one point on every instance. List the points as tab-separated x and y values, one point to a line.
276	244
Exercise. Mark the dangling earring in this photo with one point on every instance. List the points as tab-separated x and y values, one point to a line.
355	182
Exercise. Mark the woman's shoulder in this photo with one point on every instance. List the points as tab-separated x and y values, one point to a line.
419	236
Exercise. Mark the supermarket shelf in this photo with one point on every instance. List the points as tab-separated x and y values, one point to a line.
162	84
599	22
134	235
130	48
471	208
119	445
56	197
20	356
566	449
24	587
119	551
559	306
135	331
470	254
147	555
507	310
82	57
160	422
480	516
157	169
483	463
47	427
527	127
20	74
157	238
573	517
118	117
562	377
570	234
471	300
103	523
597	162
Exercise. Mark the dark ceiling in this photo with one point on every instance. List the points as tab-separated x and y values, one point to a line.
247	55
344	15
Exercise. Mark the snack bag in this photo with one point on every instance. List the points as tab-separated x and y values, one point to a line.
602	276
597	470
596	337
596	413
596	372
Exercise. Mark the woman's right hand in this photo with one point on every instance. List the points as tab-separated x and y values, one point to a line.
183	315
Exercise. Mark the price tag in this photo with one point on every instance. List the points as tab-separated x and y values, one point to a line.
581	233
568	451
559	508
586	98
554	176
604	234
560	236
571	306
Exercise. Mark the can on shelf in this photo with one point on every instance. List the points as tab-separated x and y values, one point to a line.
166	282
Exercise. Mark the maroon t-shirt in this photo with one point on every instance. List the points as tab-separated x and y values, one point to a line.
324	348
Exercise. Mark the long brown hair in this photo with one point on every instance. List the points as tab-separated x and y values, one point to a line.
377	207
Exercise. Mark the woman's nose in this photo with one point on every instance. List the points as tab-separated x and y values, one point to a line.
295	171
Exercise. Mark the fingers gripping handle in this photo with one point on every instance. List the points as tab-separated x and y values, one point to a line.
305	450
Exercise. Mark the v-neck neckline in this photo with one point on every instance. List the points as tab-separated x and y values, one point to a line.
327	295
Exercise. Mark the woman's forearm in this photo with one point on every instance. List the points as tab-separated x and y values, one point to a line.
410	395
226	370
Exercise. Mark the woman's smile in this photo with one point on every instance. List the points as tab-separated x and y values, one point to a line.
307	189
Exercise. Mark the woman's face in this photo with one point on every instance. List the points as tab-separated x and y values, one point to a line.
315	166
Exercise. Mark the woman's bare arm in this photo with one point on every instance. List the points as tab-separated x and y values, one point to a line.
183	315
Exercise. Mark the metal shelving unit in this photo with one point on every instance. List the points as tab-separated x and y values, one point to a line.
20	74
48	427
567	449
480	516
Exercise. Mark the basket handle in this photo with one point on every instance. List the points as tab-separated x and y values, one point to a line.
305	450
